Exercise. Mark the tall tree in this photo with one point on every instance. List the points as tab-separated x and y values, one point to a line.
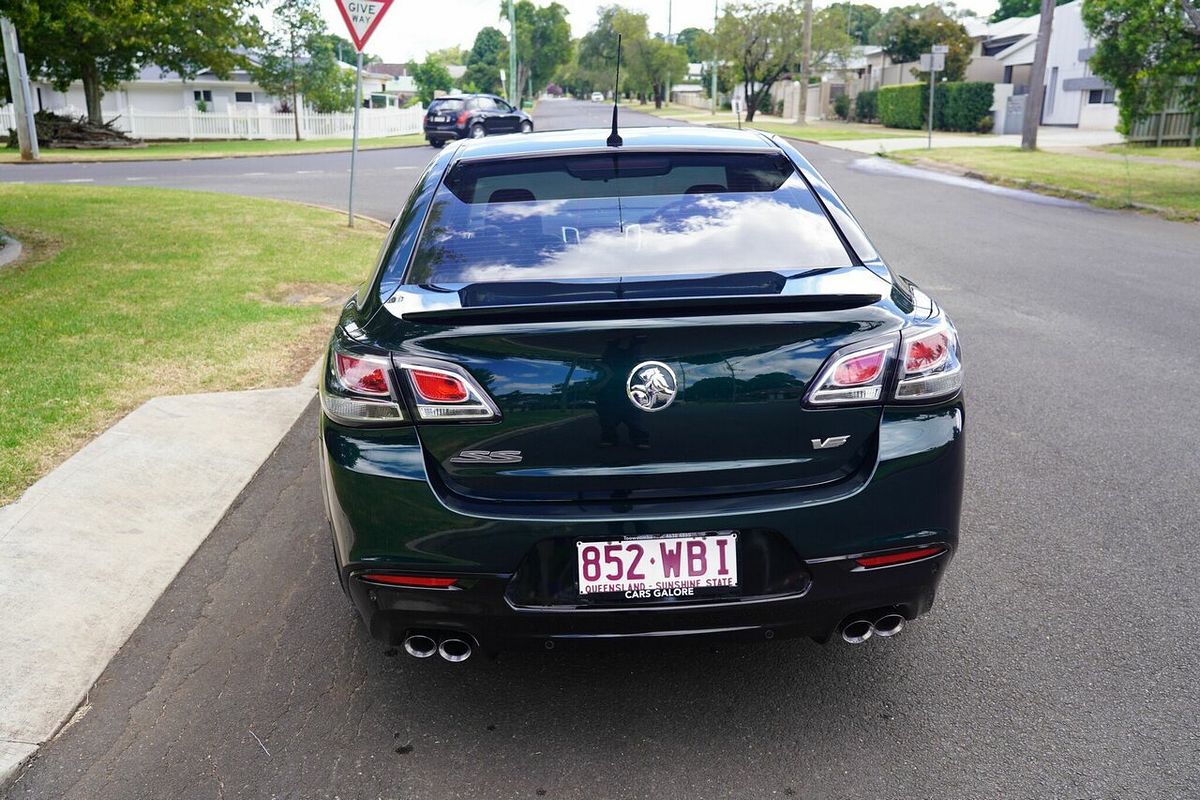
1019	8
857	18
1037	79
485	60
906	33
694	40
103	42
296	26
763	40
543	42
430	76
1148	51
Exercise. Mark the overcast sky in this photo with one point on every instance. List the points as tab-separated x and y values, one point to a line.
414	27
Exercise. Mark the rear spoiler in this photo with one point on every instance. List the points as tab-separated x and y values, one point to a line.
641	309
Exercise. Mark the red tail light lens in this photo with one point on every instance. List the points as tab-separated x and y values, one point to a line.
926	353
463	116
899	557
418	581
857	370
438	387
362	375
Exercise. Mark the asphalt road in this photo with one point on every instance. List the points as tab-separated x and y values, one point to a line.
1060	661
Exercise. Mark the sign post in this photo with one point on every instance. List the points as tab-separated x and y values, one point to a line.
933	63
18	85
361	18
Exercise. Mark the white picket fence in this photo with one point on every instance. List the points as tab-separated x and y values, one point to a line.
257	123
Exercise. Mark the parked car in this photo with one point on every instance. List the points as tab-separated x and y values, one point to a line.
664	390
472	116
597	97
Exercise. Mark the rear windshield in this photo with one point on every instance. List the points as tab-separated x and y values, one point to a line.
614	215
445	105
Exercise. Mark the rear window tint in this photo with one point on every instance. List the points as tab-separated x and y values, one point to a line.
445	105
613	215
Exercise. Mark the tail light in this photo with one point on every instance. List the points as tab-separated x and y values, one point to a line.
854	375
357	389
463	116
896	557
445	391
929	364
414	581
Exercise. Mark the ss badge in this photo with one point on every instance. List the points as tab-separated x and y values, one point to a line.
487	457
831	442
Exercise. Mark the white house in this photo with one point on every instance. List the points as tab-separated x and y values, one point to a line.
1074	96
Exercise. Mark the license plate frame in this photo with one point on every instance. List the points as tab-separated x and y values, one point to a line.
658	568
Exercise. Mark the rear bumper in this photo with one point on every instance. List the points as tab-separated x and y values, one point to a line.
443	133
386	516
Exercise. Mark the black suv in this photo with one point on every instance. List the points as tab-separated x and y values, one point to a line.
474	116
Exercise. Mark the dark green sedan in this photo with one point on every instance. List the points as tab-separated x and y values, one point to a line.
666	389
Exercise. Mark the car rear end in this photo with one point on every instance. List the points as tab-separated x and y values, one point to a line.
445	120
608	396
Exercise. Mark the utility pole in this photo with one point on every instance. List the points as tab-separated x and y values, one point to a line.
18	87
713	98
1037	78
514	86
805	62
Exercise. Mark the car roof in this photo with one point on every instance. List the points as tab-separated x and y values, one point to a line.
683	137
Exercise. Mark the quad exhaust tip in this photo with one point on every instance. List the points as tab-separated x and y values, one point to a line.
859	630
455	650
418	645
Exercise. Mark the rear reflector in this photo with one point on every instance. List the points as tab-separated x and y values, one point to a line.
899	556
409	580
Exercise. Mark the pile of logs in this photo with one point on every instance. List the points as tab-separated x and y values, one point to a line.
56	130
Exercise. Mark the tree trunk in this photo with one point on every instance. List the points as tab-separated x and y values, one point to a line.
805	63
295	87
93	92
747	98
1037	79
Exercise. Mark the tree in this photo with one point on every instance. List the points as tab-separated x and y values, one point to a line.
450	55
103	42
325	82
296	26
661	61
543	42
430	76
1019	8
343	49
695	41
906	33
856	18
484	61
1147	51
763	41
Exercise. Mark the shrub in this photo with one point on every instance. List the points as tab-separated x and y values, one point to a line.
956	106
865	106
841	106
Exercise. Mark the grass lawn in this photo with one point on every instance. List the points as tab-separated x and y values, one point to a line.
1171	153
218	149
128	293
826	131
1115	183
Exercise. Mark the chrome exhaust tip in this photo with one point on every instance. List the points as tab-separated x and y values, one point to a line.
857	631
455	650
418	645
889	625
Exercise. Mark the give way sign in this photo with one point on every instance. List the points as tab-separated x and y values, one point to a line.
361	17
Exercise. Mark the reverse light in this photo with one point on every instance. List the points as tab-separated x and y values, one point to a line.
357	390
930	367
855	375
414	581
447	392
897	557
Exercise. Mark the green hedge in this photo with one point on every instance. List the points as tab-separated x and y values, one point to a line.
956	106
866	108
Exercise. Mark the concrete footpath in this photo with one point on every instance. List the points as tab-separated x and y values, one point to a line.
87	550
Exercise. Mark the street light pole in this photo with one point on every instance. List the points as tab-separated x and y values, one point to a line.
18	85
514	87
713	98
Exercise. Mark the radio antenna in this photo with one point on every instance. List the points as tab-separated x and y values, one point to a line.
614	138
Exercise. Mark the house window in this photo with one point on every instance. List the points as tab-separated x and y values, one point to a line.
243	97
202	95
1102	96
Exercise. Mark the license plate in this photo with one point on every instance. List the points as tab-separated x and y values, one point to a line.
437	119
688	565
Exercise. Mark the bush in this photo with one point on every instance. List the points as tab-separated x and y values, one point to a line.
956	106
841	106
866	106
